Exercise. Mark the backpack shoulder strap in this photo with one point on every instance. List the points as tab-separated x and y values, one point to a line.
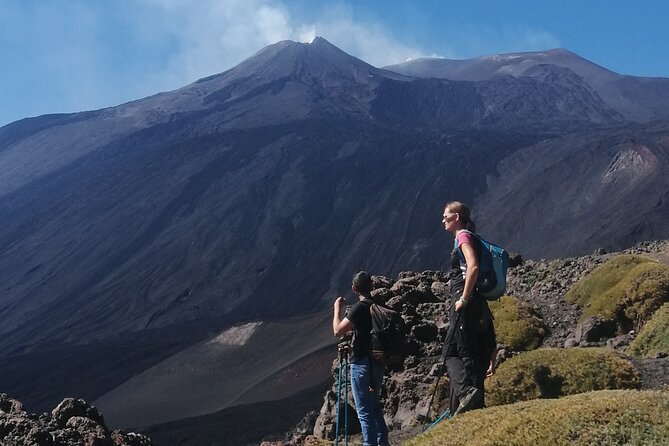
370	305
477	246
367	301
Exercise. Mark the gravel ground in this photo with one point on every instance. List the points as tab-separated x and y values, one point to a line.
654	373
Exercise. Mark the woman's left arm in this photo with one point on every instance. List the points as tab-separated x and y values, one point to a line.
472	274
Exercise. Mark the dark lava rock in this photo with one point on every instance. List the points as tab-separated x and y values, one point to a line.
515	260
381	282
72	423
71	407
10	405
593	329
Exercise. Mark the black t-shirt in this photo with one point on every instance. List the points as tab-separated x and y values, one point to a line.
362	319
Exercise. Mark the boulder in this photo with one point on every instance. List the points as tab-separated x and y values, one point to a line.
515	260
440	290
122	438
426	332
380	282
382	295
402	287
592	329
71	407
304	428
409	277
10	405
619	341
570	343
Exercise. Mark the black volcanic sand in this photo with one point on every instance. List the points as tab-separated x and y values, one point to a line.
41	379
241	425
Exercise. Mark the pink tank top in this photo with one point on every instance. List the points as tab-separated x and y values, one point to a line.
462	238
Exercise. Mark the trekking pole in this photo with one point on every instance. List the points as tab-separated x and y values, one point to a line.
429	406
451	329
338	399
346	378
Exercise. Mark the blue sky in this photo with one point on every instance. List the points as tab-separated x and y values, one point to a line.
72	55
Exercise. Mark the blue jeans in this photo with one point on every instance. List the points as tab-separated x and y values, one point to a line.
367	403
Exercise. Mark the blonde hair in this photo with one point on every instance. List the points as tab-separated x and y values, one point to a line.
464	212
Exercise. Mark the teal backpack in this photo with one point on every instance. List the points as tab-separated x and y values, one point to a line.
493	264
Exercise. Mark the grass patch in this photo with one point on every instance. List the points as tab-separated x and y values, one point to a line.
627	289
517	324
313	441
603	418
654	336
603	278
555	372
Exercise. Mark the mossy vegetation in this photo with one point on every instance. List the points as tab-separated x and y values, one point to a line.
517	325
603	418
627	289
555	372
654	336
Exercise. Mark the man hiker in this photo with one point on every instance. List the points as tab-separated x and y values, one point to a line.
366	374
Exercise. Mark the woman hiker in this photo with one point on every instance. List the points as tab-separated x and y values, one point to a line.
470	346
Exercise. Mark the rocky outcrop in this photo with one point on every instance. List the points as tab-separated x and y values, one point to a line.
72	423
423	300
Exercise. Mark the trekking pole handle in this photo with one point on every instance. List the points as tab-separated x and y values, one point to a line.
343	348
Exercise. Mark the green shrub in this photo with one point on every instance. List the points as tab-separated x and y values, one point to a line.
646	293
516	324
627	289
654	336
603	278
555	372
603	418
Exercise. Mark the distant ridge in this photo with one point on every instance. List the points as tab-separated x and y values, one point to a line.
636	98
487	67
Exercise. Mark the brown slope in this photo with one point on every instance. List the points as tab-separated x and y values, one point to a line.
571	195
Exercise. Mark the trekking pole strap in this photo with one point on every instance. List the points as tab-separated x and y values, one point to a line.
446	415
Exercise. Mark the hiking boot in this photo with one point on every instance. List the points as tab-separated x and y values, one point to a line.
471	396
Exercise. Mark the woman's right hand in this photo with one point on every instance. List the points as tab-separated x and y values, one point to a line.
491	370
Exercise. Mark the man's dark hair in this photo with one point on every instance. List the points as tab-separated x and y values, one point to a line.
362	283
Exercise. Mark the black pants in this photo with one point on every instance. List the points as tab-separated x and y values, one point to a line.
462	373
467	349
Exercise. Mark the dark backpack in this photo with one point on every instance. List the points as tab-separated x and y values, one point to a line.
388	334
493	264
